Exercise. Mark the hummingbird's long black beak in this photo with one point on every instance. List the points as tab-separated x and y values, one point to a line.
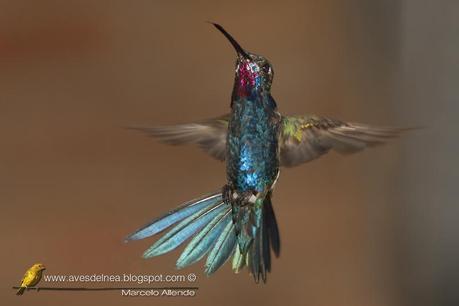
235	44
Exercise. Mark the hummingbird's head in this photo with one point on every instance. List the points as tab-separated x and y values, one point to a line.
253	72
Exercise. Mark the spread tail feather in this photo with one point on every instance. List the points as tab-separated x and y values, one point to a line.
265	236
209	221
185	210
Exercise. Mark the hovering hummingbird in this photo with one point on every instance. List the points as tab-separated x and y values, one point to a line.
255	140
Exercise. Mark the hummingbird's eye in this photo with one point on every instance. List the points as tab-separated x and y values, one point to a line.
267	69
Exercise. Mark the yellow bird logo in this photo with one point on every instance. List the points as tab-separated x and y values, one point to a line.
31	277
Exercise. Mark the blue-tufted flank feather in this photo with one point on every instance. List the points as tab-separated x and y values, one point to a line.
175	216
204	240
185	229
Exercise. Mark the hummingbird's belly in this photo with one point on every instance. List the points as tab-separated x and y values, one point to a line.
252	147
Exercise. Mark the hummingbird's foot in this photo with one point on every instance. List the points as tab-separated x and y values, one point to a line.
226	194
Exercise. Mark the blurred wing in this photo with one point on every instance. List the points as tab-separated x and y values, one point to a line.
305	138
209	135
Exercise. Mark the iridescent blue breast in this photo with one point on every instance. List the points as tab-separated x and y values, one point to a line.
252	144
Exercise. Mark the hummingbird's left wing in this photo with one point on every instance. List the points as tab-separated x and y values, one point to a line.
304	138
209	135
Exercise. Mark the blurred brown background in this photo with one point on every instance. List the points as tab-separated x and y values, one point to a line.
378	228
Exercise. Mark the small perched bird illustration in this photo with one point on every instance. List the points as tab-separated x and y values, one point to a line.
31	277
254	140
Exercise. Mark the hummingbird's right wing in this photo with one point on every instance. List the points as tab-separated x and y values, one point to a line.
304	138
209	135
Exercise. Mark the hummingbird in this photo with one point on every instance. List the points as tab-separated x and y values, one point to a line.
255	141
